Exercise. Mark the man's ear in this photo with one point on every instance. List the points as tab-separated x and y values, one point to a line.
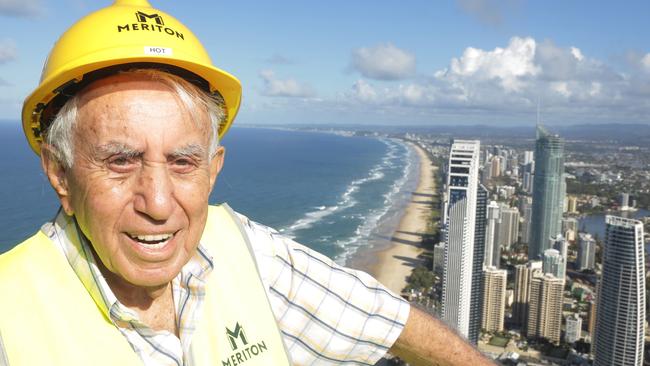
56	173
216	164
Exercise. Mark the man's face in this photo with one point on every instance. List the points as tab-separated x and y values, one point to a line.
141	178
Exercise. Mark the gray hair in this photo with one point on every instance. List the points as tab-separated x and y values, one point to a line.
61	132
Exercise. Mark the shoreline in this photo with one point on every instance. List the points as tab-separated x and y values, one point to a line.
391	264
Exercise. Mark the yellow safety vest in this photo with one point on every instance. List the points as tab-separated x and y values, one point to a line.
47	316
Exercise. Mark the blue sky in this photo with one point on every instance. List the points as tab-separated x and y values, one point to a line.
388	62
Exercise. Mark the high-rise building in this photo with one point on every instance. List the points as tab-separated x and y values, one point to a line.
494	299
459	216
625	201
570	228
492	250
621	297
591	326
554	263
508	233
528	157
526	209
495	167
523	275
586	251
548	192
561	245
527	182
476	299
545	307
573	328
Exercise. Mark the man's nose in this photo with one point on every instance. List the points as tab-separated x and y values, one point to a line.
155	192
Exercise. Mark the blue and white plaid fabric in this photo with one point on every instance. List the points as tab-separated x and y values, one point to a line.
328	315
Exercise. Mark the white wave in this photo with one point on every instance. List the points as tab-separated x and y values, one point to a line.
347	200
363	232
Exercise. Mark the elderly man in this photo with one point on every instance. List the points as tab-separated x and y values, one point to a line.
136	268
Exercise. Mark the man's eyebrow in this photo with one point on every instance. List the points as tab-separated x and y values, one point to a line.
190	150
117	148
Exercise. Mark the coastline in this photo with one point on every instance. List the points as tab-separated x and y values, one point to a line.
392	264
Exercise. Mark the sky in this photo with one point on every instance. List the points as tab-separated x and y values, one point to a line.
388	62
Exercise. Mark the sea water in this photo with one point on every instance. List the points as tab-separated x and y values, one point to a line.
331	192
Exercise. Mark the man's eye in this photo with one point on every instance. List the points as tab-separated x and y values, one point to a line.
121	163
184	165
183	162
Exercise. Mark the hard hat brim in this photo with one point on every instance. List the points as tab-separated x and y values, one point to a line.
218	80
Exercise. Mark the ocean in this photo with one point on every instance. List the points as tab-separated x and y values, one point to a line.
336	194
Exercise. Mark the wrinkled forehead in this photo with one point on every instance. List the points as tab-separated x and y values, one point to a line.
118	95
133	105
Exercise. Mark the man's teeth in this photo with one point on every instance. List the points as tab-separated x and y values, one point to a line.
152	238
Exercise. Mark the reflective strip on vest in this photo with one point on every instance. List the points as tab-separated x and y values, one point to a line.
48	318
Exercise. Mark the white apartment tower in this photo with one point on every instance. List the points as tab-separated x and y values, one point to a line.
494	299
460	224
545	307
524	274
621	298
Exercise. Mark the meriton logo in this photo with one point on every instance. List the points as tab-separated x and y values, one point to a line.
151	23
142	18
233	335
236	338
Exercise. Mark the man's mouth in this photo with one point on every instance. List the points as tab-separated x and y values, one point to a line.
152	241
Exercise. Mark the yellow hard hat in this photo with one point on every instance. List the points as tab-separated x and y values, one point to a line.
127	34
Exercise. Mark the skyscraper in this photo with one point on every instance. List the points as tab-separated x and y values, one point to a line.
492	250
586	251
494	299
508	227
621	297
476	299
523	275
554	263
459	216
548	192
545	307
526	209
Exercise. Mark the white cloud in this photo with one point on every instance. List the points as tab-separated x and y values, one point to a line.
21	8
508	66
363	91
508	80
274	87
383	62
577	53
7	50
645	62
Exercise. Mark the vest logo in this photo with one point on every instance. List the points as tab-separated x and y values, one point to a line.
149	23
242	352
233	335
142	17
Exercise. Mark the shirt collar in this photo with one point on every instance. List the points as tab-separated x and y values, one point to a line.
64	231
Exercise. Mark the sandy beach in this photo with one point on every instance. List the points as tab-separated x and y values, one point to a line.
393	264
